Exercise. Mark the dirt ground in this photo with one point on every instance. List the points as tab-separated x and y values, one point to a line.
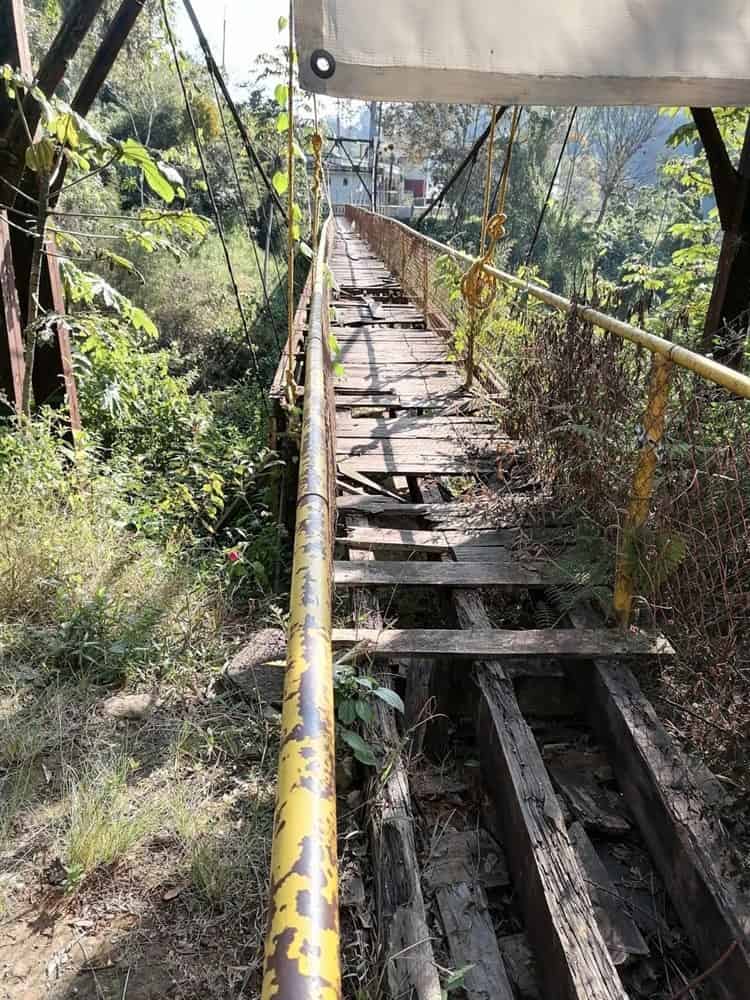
181	913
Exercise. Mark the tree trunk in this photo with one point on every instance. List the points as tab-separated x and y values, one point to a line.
728	316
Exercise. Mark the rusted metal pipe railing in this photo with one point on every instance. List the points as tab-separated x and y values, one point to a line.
666	355
302	946
707	368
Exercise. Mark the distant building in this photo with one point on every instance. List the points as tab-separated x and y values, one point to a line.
347	161
346	164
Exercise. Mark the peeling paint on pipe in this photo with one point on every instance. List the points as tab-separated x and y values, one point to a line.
302	960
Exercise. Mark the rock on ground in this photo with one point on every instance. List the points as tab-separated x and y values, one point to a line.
249	672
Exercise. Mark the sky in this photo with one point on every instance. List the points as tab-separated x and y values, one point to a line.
252	28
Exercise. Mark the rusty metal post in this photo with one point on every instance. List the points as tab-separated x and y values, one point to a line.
425	285
302	945
402	273
642	486
11	343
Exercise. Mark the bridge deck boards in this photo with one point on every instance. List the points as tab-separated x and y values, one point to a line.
509	576
404	418
497	644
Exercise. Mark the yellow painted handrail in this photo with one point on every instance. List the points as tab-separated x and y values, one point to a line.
302	945
666	355
682	357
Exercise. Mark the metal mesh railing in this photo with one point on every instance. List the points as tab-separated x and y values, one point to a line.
647	442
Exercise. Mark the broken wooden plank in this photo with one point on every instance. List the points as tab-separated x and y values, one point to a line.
417	428
470	856
399	353
410	465
471	553
495	643
396	448
623	938
357	477
370	337
687	841
379	505
410	964
434	574
560	920
472	942
409	386
376	539
521	966
598	808
428	399
452	516
374	374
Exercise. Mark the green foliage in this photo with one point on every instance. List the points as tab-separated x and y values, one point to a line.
353	698
81	592
585	569
192	460
454	981
501	329
66	134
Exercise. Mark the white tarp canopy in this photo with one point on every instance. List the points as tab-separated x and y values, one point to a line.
659	52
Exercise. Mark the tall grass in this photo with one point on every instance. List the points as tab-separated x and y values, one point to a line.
81	594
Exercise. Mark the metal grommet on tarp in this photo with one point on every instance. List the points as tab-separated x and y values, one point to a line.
323	64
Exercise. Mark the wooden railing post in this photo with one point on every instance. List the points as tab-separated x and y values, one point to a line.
642	487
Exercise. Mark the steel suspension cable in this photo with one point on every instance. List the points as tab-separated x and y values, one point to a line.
253	158
290	206
552	183
487	182
468	161
214	206
218	76
246	214
493	209
461	204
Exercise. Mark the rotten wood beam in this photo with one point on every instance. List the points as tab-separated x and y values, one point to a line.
410	968
14	50
109	48
573	960
414	574
667	796
472	941
11	344
618	928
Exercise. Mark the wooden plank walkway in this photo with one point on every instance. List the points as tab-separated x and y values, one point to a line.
404	422
394	366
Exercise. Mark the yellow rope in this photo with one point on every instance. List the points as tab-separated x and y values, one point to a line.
479	286
317	187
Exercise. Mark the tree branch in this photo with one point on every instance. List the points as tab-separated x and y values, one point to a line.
52	69
724	177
